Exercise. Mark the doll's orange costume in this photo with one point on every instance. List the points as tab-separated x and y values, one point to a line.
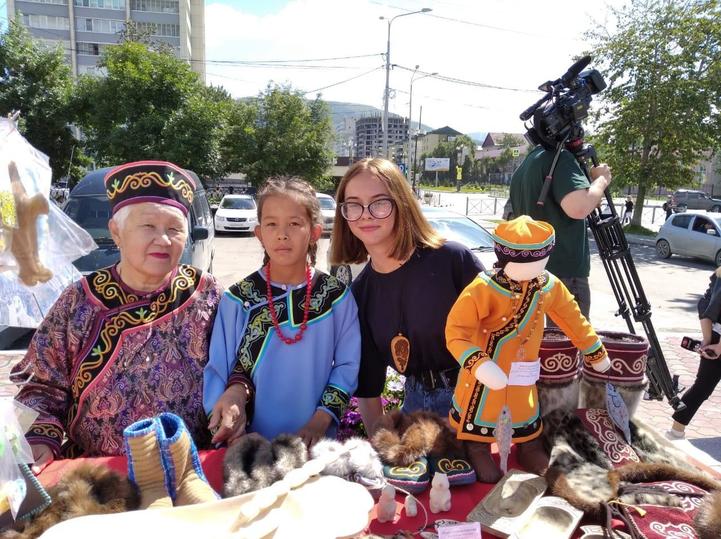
498	321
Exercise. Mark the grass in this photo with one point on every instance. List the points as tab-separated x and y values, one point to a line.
639	230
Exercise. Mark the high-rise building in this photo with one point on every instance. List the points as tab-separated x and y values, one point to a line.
85	27
369	137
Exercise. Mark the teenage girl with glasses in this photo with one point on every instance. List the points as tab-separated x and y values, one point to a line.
286	337
404	293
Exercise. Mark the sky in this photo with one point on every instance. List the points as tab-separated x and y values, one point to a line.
502	49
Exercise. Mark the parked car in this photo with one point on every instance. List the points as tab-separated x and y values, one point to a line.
327	210
452	226
89	207
236	213
687	199
691	234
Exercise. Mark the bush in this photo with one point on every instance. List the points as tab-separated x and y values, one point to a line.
351	424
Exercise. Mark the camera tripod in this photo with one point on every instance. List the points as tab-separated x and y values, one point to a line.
621	271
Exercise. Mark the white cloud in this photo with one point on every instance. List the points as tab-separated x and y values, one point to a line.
539	42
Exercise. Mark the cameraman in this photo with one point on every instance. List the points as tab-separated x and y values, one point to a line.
570	199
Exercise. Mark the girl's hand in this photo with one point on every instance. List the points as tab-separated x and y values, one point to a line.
228	419
710	351
43	456
315	429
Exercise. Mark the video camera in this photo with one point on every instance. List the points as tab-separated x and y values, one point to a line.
557	115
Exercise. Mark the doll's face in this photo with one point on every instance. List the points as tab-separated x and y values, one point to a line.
525	271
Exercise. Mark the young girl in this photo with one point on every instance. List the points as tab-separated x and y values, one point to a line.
286	340
404	293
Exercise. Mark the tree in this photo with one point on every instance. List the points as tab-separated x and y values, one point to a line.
660	112
151	105
36	81
280	133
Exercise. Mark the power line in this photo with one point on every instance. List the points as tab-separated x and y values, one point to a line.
344	81
455	80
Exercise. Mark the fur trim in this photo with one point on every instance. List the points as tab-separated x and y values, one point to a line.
357	460
85	490
401	439
248	465
708	518
593	394
255	463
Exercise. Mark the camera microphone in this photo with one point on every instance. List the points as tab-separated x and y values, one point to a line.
575	69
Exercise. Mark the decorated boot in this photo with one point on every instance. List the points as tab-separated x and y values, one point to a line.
180	459
145	466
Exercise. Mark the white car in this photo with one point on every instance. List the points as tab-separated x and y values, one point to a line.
452	226
327	210
691	234
236	213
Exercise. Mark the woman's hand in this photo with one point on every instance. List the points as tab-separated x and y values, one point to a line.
228	419
315	429
43	456
710	351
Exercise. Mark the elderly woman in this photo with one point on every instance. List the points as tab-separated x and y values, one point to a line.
129	341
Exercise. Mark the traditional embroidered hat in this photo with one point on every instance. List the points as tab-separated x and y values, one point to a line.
523	240
559	358
149	181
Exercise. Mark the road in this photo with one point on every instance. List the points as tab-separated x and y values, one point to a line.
671	286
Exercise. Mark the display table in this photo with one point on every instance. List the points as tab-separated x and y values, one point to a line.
464	498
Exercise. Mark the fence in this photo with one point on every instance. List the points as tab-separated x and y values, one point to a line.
492	206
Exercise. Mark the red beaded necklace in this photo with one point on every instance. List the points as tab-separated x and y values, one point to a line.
274	315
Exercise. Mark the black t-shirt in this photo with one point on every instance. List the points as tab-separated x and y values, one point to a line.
414	299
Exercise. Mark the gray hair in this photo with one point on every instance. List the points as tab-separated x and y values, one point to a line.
121	216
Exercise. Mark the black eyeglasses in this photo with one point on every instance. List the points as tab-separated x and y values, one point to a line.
380	209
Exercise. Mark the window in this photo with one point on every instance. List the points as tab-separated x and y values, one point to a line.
49	22
238	203
158	6
164	30
90	49
100	26
102	4
703	226
54	43
56	2
681	221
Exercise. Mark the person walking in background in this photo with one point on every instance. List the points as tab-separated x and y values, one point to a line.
627	211
667	208
709	368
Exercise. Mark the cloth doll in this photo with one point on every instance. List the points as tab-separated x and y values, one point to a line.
494	331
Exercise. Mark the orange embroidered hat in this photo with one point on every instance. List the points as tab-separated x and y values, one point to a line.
149	181
523	240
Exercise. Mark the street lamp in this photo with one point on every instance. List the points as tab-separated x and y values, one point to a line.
410	113
388	70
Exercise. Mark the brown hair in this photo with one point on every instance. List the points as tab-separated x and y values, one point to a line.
299	190
412	229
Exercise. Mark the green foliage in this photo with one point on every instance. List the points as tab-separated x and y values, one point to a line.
151	105
280	133
36	81
662	61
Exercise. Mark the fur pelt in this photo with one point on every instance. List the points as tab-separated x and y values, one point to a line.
578	470
401	439
552	396
593	394
85	490
255	463
708	518
357	460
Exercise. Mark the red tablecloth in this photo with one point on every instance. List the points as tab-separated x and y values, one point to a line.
464	498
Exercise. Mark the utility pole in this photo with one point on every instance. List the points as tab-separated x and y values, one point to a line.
415	149
388	71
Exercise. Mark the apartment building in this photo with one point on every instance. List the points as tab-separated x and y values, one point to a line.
369	136
85	27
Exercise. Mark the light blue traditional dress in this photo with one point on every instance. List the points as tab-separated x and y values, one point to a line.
286	383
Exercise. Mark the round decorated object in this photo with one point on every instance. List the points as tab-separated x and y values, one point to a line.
628	354
559	358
